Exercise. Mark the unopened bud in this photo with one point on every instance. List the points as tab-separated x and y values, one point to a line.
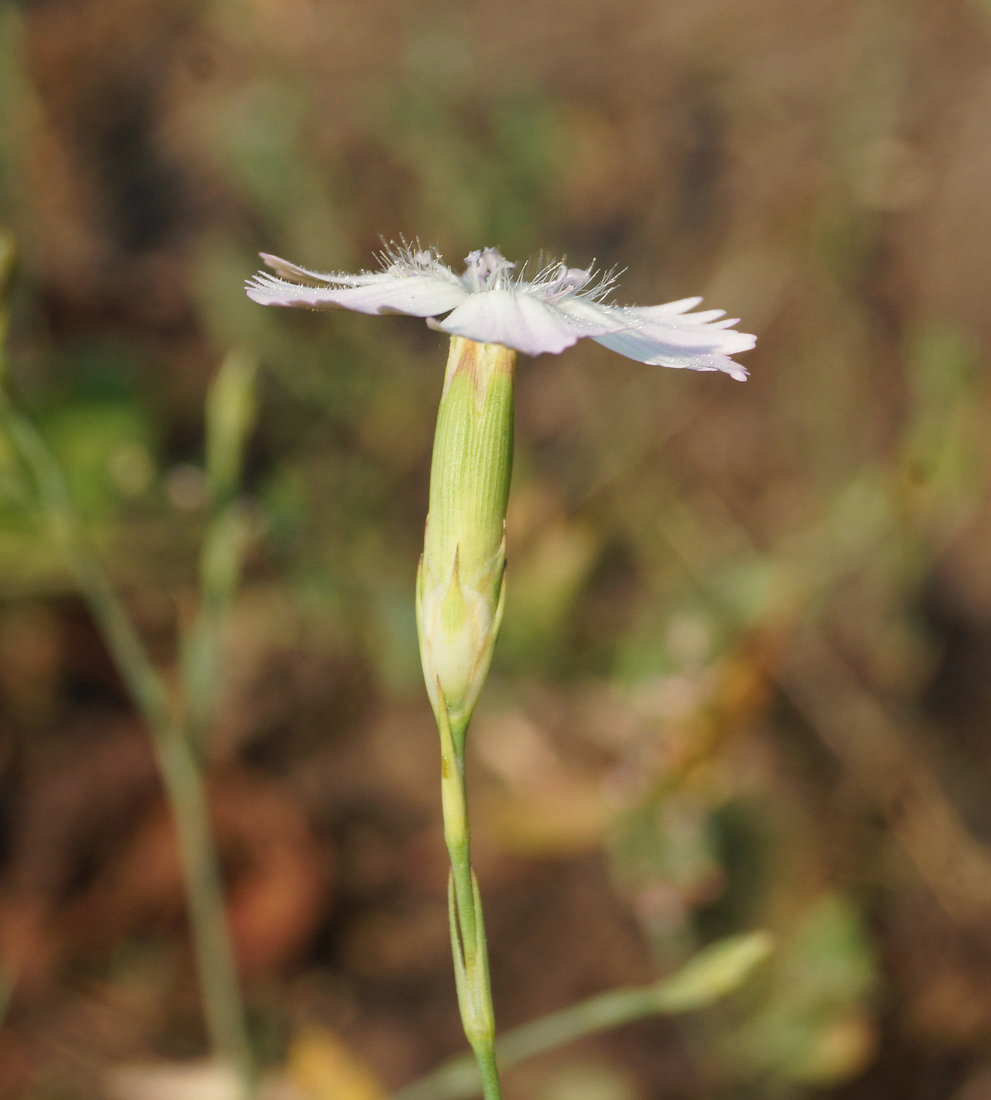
460	589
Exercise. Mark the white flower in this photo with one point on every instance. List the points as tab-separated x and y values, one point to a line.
488	304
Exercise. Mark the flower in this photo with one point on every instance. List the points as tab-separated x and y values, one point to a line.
490	305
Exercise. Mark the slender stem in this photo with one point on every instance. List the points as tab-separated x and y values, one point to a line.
202	647
8	983
457	831
468	944
712	974
230	408
207	915
179	769
491	1089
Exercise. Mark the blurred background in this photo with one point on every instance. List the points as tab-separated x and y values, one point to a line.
745	674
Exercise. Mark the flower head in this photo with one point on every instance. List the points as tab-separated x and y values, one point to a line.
491	305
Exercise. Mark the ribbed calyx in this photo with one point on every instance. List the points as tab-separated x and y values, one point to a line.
460	589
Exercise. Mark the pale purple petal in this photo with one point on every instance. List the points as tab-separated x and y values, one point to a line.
672	340
486	304
683	305
517	320
595	318
423	295
698	341
662	313
645	349
336	278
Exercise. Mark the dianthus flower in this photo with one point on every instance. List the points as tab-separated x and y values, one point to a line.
491	305
490	315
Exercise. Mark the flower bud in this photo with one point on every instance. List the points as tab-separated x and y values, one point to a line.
460	589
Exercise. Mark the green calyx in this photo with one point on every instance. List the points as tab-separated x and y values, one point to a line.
460	584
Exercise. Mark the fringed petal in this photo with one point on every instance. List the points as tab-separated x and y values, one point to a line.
667	338
549	314
293	272
520	321
683	305
662	313
417	295
649	349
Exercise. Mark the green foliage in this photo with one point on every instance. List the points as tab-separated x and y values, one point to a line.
104	446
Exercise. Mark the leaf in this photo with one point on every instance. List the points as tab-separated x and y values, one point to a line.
713	973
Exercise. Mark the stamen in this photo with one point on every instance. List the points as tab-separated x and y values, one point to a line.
408	257
488	269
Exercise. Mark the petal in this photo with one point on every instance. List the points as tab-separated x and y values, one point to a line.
294	272
672	340
519	320
635	345
683	305
698	341
420	295
662	313
595	318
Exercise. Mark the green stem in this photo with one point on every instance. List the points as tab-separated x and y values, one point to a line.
178	766
207	915
457	831
230	410
486	1059
468	944
712	974
221	557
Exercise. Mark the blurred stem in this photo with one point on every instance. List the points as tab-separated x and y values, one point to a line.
201	658
8	983
230	410
179	768
712	974
8	266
